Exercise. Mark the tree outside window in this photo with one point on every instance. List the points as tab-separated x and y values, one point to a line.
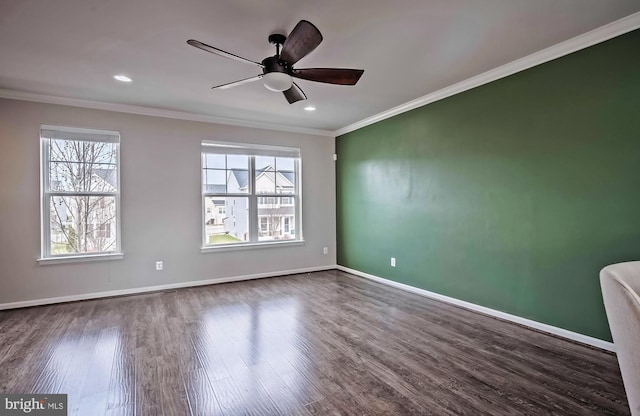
80	177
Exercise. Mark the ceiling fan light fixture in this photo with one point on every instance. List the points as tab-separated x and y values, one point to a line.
277	81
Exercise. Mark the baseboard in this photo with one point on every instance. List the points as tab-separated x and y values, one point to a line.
564	333
147	289
574	336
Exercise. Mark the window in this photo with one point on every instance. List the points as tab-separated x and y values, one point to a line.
80	191
254	192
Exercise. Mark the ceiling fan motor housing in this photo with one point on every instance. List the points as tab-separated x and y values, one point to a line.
274	64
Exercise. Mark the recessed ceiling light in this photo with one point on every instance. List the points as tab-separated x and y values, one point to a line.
122	78
310	108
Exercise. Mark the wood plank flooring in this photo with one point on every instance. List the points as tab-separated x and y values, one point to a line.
323	343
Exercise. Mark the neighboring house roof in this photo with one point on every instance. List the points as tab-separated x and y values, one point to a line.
107	176
284	180
110	176
242	177
291	176
215	189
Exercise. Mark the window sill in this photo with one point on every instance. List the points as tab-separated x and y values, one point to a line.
80	259
249	246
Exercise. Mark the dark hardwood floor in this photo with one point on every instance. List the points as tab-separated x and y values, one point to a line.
314	344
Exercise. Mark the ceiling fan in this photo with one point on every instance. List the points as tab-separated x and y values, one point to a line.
278	70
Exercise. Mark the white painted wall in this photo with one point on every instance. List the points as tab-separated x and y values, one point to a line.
161	205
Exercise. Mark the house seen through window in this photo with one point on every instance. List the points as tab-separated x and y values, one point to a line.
80	191
250	194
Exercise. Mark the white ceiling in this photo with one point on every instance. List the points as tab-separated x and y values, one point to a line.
408	48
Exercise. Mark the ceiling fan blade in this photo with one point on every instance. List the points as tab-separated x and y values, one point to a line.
294	94
220	52
303	39
236	83
340	76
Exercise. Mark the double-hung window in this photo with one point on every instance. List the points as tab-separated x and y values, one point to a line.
80	192
250	194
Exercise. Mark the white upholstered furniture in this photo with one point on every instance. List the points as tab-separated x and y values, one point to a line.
621	292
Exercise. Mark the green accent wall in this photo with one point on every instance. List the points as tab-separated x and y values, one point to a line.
512	195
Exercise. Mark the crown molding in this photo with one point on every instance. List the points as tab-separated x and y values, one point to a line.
593	37
156	112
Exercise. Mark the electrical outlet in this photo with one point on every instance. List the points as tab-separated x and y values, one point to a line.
393	262
159	265
325	250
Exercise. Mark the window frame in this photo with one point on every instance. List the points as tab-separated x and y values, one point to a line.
46	194
252	151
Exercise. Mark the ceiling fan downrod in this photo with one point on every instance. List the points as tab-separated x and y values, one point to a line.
278	40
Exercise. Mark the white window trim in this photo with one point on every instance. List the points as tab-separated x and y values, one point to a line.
81	258
253	220
250	246
45	232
